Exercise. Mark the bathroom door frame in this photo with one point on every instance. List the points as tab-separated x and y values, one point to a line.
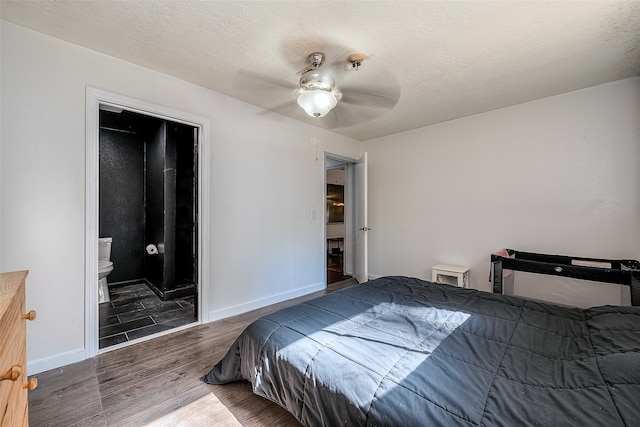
95	98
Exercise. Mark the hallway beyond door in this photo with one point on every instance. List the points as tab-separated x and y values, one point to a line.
335	269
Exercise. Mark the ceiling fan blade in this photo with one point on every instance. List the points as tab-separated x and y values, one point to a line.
287	108
349	115
337	118
384	98
251	83
271	93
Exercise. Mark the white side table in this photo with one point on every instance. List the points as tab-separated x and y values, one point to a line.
461	273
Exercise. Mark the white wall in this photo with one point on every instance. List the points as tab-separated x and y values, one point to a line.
265	183
558	175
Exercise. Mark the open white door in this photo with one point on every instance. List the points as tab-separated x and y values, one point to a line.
362	224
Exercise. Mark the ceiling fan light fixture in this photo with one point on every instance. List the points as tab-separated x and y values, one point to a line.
317	102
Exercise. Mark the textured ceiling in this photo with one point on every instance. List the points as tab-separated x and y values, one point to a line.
445	59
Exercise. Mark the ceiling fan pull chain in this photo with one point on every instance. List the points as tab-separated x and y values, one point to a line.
316	142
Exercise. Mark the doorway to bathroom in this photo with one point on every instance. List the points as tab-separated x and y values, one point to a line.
148	204
181	129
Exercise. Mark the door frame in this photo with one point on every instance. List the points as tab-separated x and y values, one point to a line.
94	98
349	245
362	218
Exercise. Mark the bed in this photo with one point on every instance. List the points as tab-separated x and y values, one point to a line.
403	351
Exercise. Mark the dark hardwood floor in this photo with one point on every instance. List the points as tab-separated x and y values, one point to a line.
335	268
156	383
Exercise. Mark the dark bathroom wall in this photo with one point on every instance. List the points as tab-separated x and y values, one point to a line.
148	195
171	191
121	165
155	206
186	247
170	211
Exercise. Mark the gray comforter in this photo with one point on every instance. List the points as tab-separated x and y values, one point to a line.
400	351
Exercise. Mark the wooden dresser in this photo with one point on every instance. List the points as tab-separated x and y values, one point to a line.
13	351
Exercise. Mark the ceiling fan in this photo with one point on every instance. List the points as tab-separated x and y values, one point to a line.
318	94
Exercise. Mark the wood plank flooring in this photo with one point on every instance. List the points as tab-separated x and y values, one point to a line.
156	383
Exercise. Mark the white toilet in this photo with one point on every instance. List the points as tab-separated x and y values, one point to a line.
105	266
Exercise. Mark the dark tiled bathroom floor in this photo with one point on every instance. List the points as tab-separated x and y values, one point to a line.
135	311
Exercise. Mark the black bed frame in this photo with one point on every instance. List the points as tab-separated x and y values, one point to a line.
622	272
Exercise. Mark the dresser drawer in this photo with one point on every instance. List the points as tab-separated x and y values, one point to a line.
13	353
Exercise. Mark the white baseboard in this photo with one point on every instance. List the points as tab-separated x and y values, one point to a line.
374	276
52	362
263	302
